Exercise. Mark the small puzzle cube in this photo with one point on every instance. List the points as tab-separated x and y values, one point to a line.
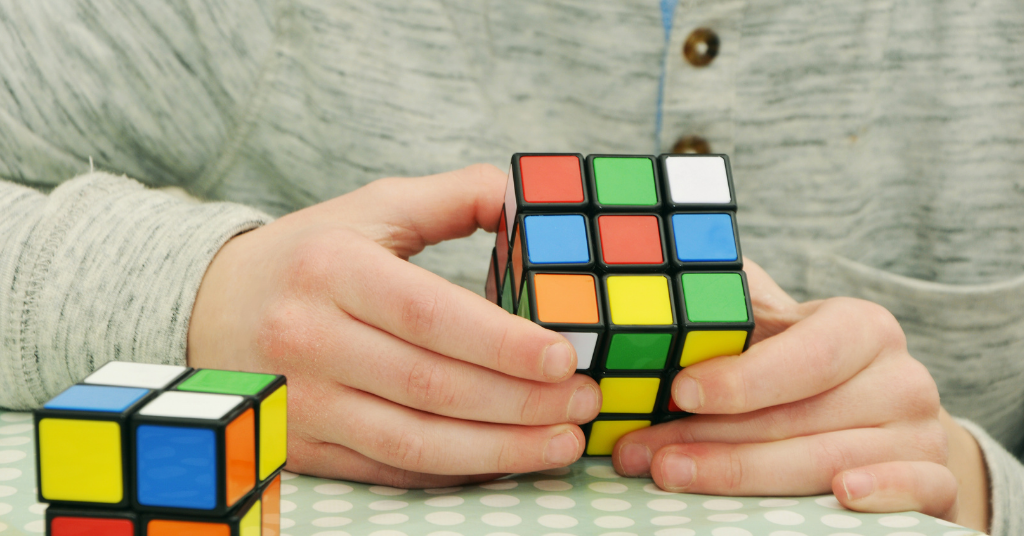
636	261
95	522
141	449
194	452
269	396
82	445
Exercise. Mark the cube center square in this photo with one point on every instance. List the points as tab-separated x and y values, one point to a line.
639	300
551	179
558	239
566	298
638	351
714	297
625	181
704	237
698	180
630	239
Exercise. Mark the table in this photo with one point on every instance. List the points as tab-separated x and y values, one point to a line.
586	498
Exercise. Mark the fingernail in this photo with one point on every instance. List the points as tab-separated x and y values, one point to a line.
687	394
557	360
635	459
679	471
561	449
583	404
858	485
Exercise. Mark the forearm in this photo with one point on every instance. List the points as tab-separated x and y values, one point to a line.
101	269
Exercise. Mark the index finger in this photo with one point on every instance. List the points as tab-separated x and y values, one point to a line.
838	340
428	311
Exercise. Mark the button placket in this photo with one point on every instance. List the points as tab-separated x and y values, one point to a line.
700	77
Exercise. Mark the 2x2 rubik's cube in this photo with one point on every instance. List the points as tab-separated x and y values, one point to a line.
636	261
159	450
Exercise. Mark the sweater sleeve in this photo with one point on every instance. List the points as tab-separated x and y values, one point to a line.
101	269
1006	483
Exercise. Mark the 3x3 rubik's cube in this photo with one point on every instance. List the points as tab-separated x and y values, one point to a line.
636	261
159	450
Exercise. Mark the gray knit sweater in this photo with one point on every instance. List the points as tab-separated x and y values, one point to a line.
878	151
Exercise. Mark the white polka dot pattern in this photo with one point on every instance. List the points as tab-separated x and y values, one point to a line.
585	498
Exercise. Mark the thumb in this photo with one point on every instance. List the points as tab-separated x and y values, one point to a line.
919	486
407	214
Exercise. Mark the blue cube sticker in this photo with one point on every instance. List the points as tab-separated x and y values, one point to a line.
96	398
557	239
704	237
176	467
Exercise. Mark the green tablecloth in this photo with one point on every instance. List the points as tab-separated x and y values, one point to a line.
586	498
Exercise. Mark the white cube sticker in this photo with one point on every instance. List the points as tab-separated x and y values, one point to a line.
585	344
697	179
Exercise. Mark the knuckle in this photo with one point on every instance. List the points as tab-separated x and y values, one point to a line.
883	324
732	477
920	398
831	458
285	330
482	170
315	260
531	405
421	313
429	383
407	450
932	444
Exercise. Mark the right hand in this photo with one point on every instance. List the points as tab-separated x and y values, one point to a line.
395	375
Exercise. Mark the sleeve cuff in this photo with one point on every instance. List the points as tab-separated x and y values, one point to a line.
1006	483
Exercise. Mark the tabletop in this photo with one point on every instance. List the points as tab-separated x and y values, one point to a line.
585	498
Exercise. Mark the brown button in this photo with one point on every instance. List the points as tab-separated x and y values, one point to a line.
691	145
701	47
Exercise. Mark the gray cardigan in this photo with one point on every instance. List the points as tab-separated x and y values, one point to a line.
878	151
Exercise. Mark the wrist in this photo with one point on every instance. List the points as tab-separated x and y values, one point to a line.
967	463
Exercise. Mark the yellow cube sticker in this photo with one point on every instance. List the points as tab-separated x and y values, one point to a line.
80	460
604	435
252	522
629	395
703	345
273	446
639	300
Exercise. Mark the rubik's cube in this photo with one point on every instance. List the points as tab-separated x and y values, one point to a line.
159	450
636	261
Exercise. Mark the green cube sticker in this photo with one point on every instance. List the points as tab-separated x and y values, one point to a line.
638	351
524	301
506	292
625	181
714	298
226	382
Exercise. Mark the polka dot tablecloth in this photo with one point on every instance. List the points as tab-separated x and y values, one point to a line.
586	498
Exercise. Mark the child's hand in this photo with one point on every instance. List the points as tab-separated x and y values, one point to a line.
395	375
827	399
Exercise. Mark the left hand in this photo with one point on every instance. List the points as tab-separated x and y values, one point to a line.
827	398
